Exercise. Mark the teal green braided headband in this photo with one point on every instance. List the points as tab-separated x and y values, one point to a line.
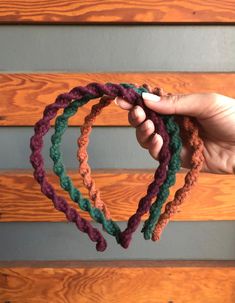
96	214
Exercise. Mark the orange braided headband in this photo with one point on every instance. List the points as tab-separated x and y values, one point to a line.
190	129
83	141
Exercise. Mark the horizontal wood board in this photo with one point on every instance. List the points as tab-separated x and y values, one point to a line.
117	12
22	201
24	96
120	281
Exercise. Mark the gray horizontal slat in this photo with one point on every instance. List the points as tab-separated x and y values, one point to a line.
116	48
62	241
111	147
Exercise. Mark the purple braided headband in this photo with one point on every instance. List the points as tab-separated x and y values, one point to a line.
92	91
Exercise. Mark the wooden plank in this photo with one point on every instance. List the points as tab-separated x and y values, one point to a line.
21	199
118	263
24	96
117	12
113	283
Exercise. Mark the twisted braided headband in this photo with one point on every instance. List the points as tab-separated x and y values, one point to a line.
164	177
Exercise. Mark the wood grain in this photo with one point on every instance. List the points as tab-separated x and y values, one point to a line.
24	96
139	283
117	264
22	200
117	12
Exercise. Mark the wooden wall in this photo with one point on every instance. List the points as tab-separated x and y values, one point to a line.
23	98
117	12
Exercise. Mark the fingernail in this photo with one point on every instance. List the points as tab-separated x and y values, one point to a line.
135	112
147	124
155	138
116	101
150	97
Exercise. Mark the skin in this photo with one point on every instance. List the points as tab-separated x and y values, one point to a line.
215	114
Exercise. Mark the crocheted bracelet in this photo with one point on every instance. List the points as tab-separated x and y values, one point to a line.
82	95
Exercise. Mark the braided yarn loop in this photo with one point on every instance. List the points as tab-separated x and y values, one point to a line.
164	176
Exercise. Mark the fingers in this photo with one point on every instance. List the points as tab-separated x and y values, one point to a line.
148	139
200	105
144	129
136	116
197	105
122	103
155	146
144	132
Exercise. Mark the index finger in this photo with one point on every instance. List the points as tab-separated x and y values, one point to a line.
122	103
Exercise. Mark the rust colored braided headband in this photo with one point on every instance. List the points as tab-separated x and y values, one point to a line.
192	135
84	168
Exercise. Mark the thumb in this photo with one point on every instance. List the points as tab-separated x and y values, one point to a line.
196	105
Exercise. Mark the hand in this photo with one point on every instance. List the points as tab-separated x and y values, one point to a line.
215	114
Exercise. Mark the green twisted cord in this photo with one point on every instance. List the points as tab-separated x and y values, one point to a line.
61	125
174	166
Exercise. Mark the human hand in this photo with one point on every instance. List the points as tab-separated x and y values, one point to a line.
215	114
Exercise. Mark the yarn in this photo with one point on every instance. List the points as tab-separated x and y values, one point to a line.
92	91
66	183
164	175
84	168
190	178
36	159
174	165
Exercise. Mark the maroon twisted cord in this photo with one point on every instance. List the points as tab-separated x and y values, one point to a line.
96	90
